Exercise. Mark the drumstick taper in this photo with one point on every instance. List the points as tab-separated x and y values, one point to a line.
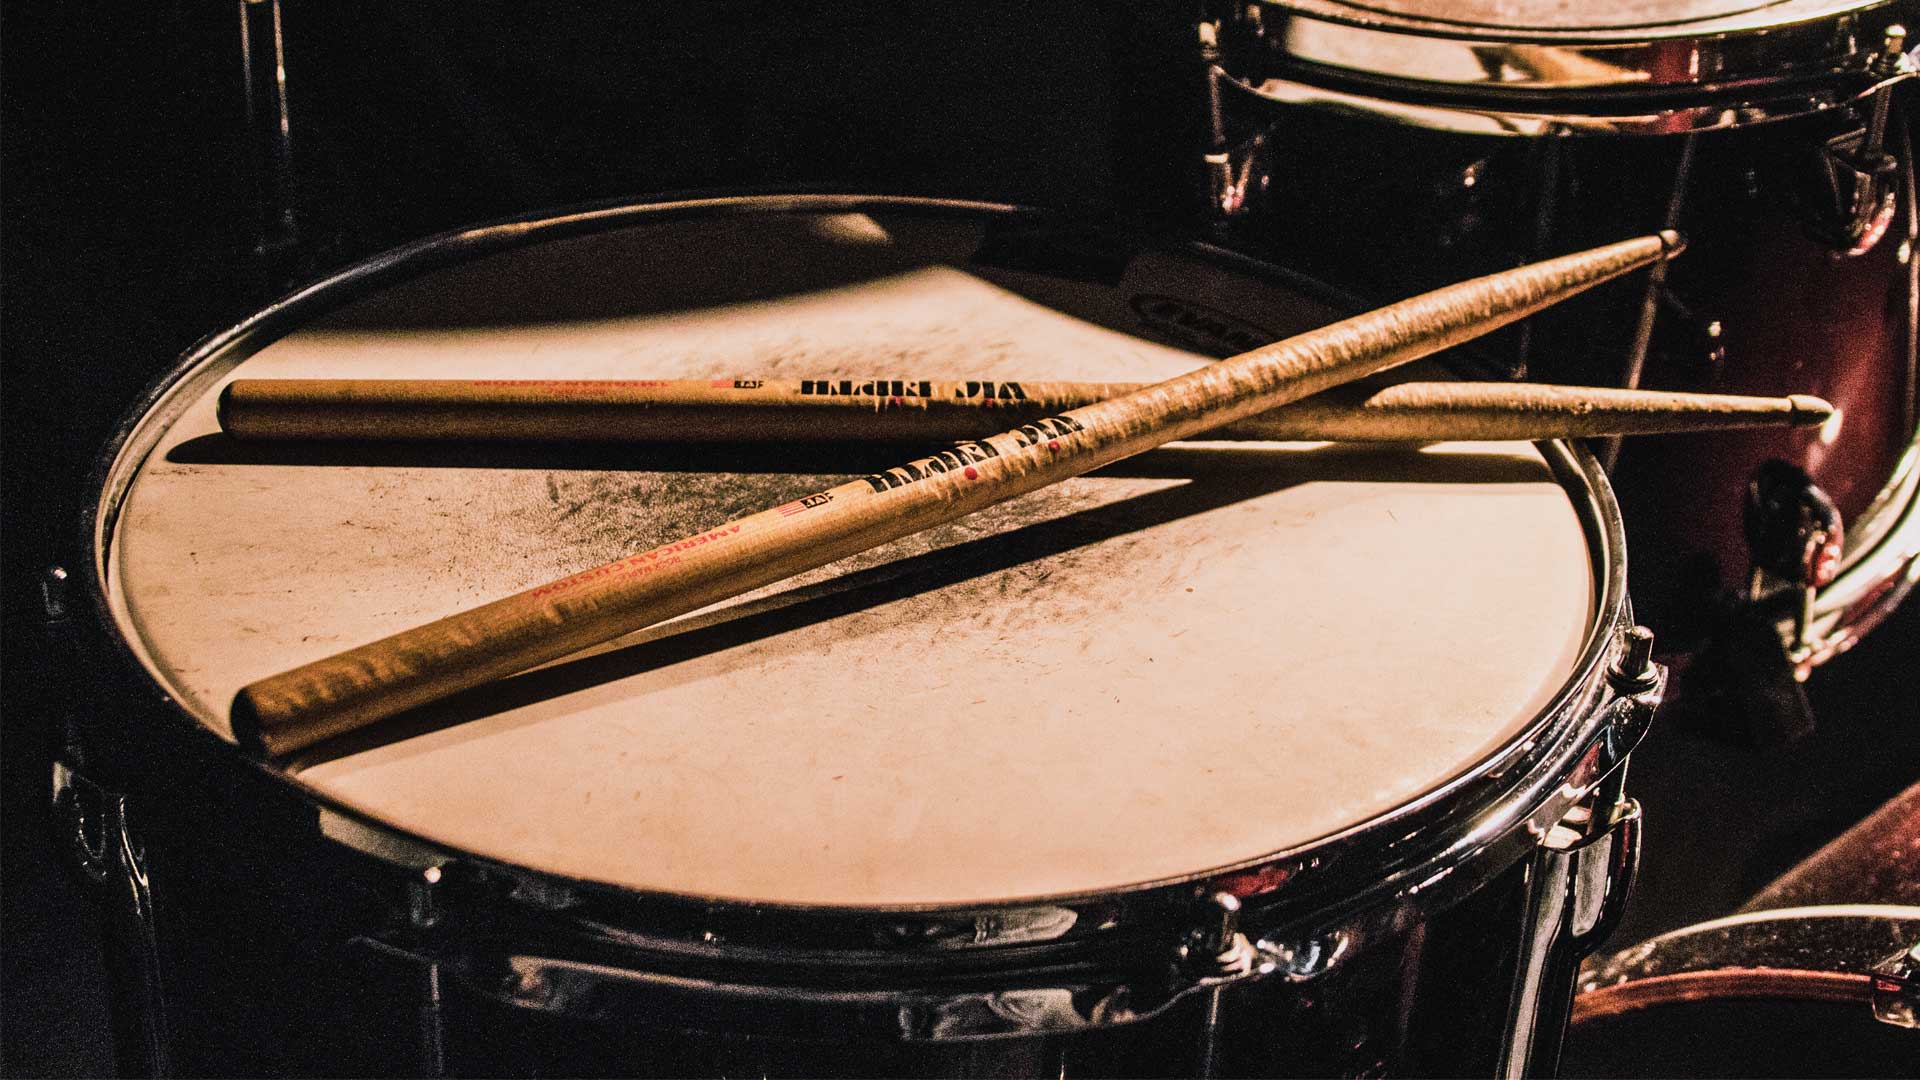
337	694
932	410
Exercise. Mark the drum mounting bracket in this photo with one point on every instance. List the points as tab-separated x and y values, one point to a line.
1862	178
97	838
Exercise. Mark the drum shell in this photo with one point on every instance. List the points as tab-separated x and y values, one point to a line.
283	952
1761	303
283	947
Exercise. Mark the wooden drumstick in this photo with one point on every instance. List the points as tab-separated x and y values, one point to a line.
931	410
341	693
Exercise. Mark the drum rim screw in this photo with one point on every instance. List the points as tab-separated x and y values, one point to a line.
1215	945
1891	59
1633	670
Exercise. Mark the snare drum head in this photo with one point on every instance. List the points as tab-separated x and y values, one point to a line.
1181	663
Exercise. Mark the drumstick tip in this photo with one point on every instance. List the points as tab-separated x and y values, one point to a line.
1809	410
1671	243
223	409
244	719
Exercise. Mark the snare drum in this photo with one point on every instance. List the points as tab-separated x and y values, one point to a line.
1238	760
1394	145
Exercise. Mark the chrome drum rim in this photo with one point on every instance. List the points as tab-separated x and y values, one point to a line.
1773	62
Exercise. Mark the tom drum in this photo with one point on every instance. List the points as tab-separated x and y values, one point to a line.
1395	145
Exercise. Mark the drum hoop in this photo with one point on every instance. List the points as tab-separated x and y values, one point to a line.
1519	119
1669	79
1491	812
1877	576
1764	17
1820	952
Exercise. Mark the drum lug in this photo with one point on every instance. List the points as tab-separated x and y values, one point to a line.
98	841
1862	179
425	976
1227	172
1896	988
1796	537
405	956
1579	884
1216	952
1212	956
1217	947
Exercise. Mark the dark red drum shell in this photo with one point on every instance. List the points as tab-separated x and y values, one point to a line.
1763	302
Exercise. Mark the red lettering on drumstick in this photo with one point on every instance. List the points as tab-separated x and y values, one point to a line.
581	384
641	563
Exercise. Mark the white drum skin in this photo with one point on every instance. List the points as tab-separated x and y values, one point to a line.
1181	663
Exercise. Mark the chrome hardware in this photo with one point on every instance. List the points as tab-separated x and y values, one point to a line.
1891	62
1001	926
53	593
1226	181
263	68
1633	670
1796	537
1214	954
1216	945
428	980
1308	959
1896	988
424	872
1826	952
914	1014
1862	179
1581	875
99	842
423	902
1550	80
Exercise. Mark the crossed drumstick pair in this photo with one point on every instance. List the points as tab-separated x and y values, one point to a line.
1067	430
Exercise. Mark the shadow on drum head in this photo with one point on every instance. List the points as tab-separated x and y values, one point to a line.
1228	475
824	458
847	459
667	268
663	267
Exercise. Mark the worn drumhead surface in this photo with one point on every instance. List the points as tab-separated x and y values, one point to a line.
1186	661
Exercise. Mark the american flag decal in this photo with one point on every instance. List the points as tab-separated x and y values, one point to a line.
807	503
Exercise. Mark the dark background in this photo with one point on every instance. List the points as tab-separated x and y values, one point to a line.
130	212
